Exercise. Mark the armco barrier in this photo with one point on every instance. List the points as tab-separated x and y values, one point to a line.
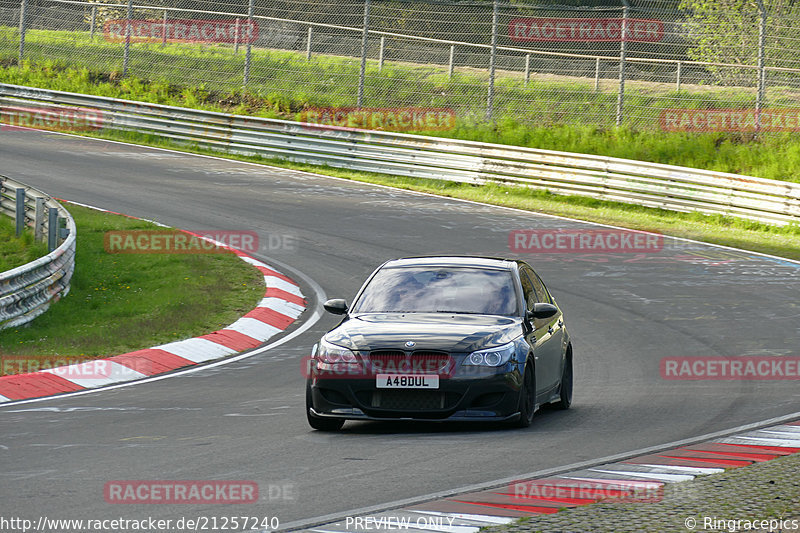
27	291
606	178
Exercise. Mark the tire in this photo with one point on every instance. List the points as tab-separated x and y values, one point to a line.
527	399
317	422
565	398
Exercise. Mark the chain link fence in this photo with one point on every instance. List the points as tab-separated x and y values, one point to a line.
651	64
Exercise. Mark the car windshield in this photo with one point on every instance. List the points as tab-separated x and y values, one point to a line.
439	290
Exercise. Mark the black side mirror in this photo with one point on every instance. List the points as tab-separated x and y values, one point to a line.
336	306
542	310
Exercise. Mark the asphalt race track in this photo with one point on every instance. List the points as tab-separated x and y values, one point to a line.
245	420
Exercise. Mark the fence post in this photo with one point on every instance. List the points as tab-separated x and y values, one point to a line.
247	55
380	53
20	210
93	23
623	51
762	36
23	23
678	77
363	71
451	64
597	74
527	68
492	61
126	52
237	31
164	30
308	45
38	220
52	228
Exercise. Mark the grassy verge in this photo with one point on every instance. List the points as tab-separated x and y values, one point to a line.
549	114
17	251
727	231
122	302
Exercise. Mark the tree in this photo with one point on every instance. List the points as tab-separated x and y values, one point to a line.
727	31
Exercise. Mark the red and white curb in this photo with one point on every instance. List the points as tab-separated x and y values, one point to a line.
282	304
644	476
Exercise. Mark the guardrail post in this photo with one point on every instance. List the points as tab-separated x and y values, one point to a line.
380	53
527	68
623	51
762	35
492	61
363	70
308	45
63	230
678	77
38	220
93	23
597	74
20	210
248	53
164	30
52	228
126	52
452	62
23	23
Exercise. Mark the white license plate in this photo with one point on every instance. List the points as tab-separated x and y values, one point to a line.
407	381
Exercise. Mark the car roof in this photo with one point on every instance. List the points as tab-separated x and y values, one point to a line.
452	261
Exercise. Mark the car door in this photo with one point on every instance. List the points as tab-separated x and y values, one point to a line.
548	334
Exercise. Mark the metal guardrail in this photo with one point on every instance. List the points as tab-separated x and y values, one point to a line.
606	178
27	291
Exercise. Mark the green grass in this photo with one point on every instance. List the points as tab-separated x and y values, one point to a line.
124	302
561	114
17	251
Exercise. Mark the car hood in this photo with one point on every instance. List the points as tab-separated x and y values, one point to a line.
430	331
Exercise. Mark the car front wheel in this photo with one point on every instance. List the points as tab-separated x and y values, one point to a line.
565	396
527	399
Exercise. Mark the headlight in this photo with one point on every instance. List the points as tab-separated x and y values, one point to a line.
330	353
492	356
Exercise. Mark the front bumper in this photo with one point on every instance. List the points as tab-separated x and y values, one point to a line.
492	397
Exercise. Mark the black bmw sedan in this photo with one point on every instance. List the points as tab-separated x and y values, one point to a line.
445	339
